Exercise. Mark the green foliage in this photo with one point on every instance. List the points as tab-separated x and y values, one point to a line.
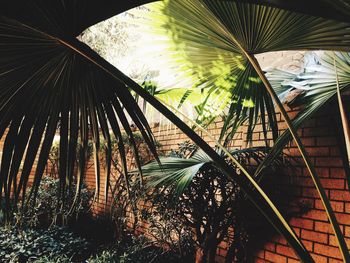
49	209
315	86
212	55
18	245
134	249
105	257
123	185
53	259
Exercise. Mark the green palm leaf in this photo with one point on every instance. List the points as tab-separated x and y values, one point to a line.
211	53
317	81
177	172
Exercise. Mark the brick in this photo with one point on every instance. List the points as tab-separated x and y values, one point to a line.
261	254
260	260
292	114
317	151
312	132
270	246
337	173
275	257
309	123
340	195
337	206
333	241
292	260
322	172
286	251
302	223
323	227
308	141
333	260
343	219
322	121
319	258
329	162
256	137
308	245
280	240
314	236
347	231
333	183
310	192
326	141
305	181
334	151
294	151
327	250
316	214
219	125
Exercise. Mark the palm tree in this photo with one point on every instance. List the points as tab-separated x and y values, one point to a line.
48	77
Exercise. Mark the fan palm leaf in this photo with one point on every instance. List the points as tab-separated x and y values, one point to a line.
318	85
212	52
46	83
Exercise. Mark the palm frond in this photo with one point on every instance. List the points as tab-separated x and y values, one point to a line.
319	86
178	172
43	84
211	52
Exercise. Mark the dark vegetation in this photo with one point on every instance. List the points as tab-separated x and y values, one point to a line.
180	225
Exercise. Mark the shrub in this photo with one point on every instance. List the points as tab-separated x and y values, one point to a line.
134	249
208	205
18	245
48	209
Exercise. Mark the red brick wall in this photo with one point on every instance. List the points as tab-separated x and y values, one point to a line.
320	138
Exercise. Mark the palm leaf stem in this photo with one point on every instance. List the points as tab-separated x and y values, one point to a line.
343	116
310	167
316	180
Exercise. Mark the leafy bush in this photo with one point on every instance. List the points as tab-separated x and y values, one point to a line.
53	259
29	245
48	209
135	249
208	205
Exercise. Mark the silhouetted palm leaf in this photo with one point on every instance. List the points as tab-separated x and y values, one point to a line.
44	81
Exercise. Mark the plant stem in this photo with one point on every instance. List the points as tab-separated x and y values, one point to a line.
343	116
310	167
